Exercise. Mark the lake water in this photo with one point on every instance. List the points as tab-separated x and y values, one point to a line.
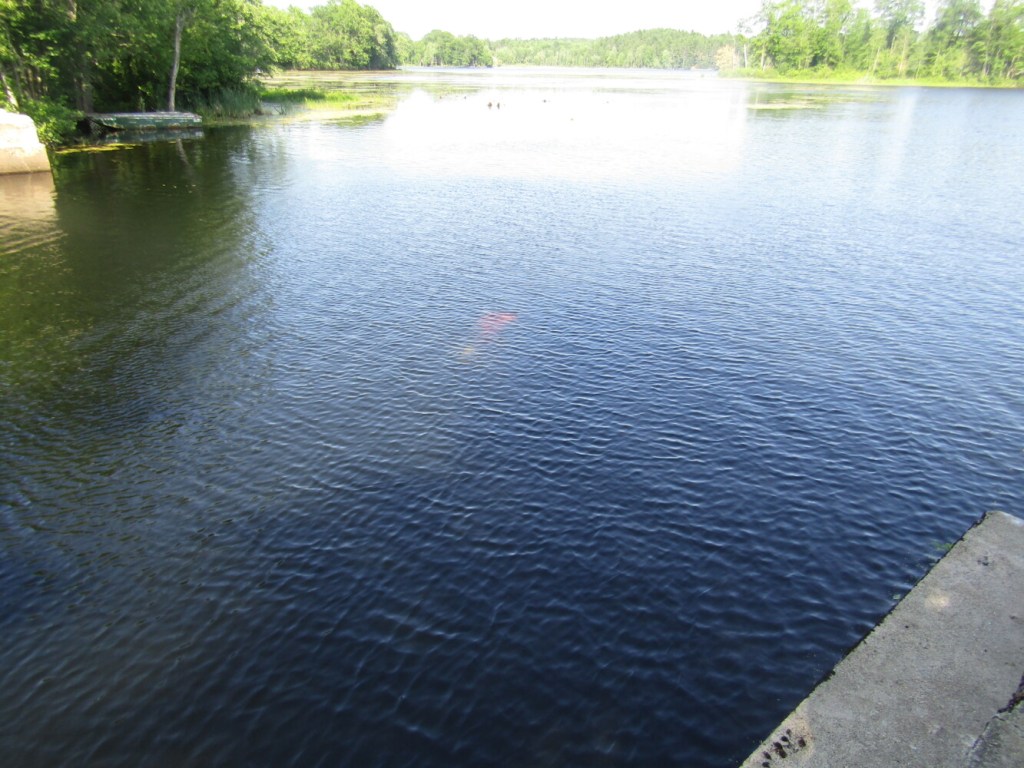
587	429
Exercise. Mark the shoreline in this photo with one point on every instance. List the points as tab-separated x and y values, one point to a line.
861	79
935	682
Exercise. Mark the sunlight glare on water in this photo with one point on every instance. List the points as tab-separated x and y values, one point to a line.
27	215
688	127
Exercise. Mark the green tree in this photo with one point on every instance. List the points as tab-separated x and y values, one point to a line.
948	43
288	35
828	41
142	54
786	42
227	45
660	48
899	17
346	35
863	41
35	41
1000	41
184	11
443	49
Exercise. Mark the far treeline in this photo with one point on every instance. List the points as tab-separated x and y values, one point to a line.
962	43
653	48
62	58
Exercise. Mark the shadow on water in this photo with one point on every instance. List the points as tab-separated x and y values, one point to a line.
140	229
32	277
782	100
99	361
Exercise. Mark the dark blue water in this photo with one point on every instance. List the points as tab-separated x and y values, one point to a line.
588	431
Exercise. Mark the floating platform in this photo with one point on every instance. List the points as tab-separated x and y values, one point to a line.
143	121
938	684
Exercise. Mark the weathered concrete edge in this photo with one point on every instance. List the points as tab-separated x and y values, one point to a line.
1001	744
819	732
20	148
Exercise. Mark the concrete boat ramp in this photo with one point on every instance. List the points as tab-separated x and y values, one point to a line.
938	683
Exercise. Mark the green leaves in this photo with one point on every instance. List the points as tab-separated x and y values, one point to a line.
443	49
113	55
345	35
999	43
650	48
827	35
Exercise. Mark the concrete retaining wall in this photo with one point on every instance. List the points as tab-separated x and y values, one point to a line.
20	150
921	687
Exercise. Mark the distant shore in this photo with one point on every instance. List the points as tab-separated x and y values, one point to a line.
810	77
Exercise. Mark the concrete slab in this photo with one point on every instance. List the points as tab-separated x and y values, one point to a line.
1001	744
921	688
20	150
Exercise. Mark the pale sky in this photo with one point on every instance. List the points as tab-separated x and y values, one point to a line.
495	19
552	18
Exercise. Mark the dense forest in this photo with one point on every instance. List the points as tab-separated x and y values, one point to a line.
832	36
342	34
821	38
443	49
653	48
61	58
656	48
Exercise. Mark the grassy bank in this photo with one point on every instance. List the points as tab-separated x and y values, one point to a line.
273	100
855	77
58	126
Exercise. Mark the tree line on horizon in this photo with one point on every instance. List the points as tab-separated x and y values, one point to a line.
962	44
647	49
62	58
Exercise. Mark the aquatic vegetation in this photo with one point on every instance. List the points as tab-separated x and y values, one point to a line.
307	95
298	96
228	102
360	118
112	146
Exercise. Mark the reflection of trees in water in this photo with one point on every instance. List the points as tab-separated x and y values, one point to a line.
26	204
146	299
132	331
34	280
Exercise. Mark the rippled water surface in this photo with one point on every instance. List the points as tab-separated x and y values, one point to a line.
587	429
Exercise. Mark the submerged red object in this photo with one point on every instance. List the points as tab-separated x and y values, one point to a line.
493	322
489	326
